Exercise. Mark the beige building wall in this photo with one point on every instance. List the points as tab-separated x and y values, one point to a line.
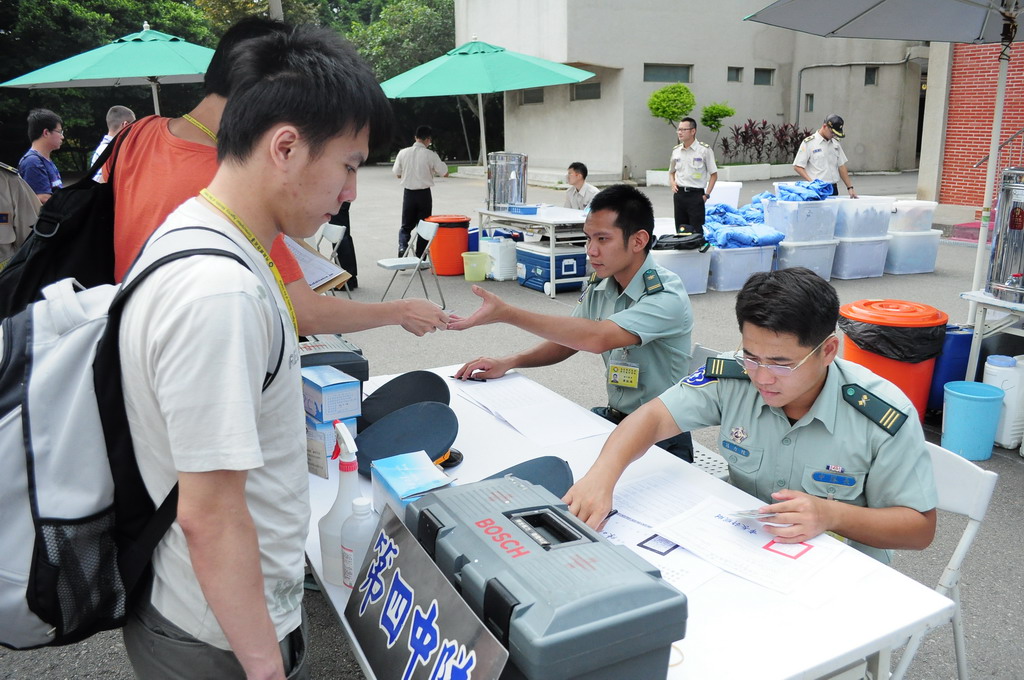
616	39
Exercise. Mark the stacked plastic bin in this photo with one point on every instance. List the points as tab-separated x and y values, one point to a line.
915	245
861	226
809	227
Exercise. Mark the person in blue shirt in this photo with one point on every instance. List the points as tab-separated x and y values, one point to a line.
46	133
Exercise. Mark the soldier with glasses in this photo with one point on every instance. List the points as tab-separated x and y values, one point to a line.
826	444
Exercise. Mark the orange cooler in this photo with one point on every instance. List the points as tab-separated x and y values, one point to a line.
451	241
914	379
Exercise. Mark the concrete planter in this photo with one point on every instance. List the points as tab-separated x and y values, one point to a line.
745	173
782	170
657	178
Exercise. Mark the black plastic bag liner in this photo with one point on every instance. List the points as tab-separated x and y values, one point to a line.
910	345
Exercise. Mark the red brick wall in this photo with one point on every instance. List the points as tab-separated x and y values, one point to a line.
972	96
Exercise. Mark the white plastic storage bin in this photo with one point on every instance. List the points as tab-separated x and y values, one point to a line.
692	266
863	217
860	258
1005	373
802	220
815	255
727	193
912	252
912	215
731	267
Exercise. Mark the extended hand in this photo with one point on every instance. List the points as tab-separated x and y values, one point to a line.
808	515
491	311
590	499
420	317
484	367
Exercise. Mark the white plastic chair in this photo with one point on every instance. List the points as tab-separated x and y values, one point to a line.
700	355
966	489
333	235
426	231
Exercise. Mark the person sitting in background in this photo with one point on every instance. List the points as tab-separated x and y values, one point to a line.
579	194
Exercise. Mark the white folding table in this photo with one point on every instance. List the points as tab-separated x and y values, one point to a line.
736	629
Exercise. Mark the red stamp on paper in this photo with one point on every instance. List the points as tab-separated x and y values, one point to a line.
790	550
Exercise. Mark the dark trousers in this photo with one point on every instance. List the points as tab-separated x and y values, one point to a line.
680	446
347	247
688	207
417	204
835	189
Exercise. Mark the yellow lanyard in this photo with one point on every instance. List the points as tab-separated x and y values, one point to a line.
209	133
237	221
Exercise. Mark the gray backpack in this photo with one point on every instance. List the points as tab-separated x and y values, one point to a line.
79	527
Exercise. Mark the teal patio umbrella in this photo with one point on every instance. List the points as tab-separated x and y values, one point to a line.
145	58
480	68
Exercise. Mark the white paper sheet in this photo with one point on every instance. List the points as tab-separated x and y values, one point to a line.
745	549
317	269
546	426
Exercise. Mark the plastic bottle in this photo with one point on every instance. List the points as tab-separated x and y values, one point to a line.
1003	372
348	491
356	534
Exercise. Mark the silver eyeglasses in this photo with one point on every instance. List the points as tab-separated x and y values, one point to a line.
776	369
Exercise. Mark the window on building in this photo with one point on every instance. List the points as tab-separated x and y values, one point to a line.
667	73
581	91
764	76
735	74
532	96
871	75
808	102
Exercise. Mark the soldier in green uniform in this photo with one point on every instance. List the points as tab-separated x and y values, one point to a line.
826	443
635	314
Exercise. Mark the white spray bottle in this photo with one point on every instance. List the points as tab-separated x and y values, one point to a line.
348	490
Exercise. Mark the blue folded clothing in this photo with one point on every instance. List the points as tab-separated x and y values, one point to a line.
816	190
734	236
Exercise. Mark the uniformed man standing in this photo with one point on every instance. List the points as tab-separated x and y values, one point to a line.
820	156
826	443
636	315
417	166
19	208
692	174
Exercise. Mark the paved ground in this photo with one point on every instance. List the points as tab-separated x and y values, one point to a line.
993	597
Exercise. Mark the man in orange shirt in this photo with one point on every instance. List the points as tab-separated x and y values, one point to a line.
162	162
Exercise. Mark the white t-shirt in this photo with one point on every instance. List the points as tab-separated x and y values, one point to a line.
195	339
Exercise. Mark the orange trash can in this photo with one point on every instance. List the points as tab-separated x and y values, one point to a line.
911	374
451	241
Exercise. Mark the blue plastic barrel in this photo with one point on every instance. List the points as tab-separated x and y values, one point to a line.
970	418
474	239
951	364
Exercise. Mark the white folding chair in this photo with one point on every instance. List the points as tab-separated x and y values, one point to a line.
333	235
700	355
966	489
426	231
704	458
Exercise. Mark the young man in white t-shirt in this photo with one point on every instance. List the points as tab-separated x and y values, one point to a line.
195	340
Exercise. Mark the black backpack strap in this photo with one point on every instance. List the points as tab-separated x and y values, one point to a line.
140	527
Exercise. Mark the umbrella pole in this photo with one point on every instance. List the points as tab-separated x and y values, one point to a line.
990	176
483	132
462	120
156	97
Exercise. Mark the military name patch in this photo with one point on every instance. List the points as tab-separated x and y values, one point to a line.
735	448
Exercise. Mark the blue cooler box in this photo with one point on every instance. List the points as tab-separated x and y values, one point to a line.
533	266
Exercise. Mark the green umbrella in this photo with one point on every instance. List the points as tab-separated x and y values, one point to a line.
145	58
480	68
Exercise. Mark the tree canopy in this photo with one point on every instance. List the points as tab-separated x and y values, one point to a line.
671	103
